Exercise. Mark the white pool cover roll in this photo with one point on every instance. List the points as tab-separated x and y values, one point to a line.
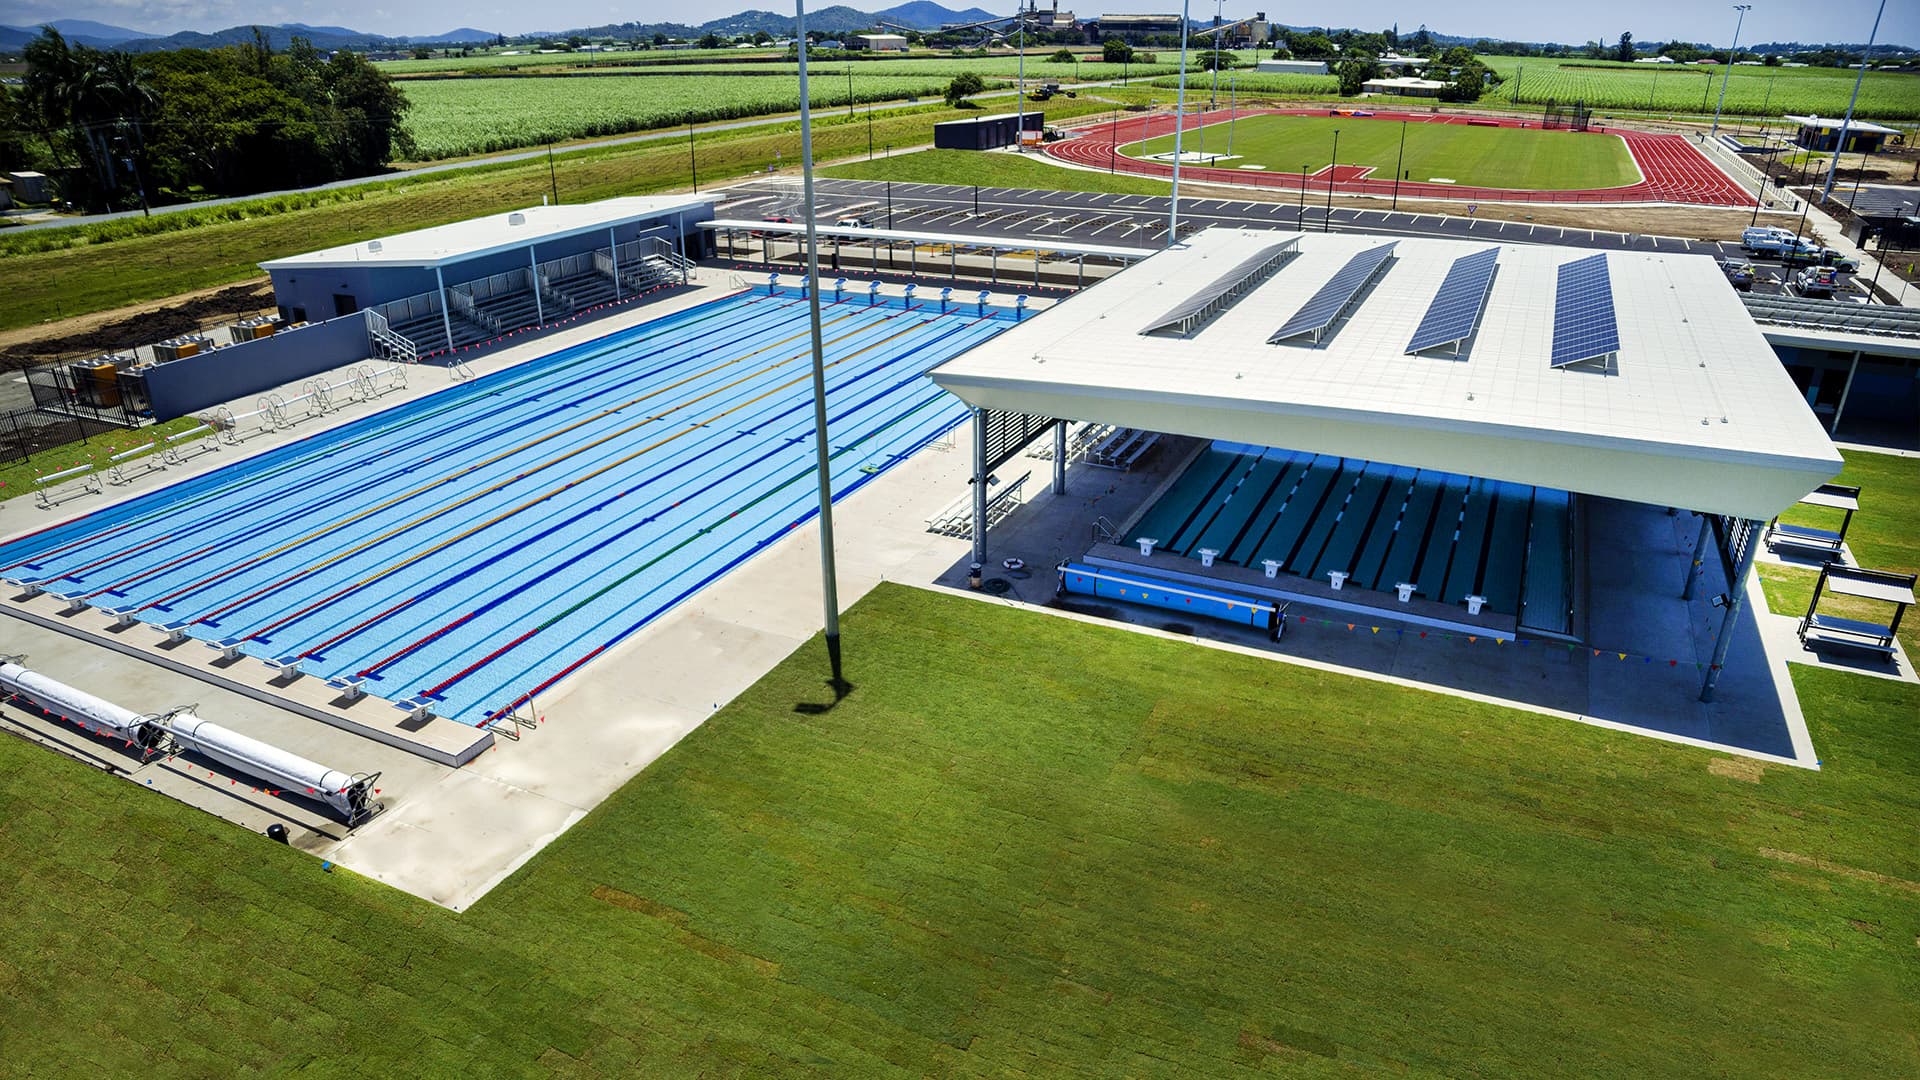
57	699
296	774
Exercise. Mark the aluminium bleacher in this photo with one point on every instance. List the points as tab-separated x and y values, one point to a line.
1449	536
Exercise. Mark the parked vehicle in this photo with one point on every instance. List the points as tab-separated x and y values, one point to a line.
1739	273
1769	235
1818	281
853	223
1820	256
1781	247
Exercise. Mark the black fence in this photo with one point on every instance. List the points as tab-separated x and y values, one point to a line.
27	432
99	391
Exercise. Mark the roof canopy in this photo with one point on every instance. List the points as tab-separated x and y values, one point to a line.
1693	409
462	240
1827	123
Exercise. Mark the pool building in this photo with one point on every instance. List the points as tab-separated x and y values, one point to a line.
1420	430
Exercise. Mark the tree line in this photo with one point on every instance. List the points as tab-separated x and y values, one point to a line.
121	131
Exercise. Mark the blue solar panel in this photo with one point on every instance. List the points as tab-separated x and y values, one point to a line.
1456	307
1583	322
1333	297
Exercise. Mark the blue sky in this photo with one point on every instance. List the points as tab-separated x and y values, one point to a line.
1649	20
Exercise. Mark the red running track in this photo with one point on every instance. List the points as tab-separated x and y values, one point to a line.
1673	170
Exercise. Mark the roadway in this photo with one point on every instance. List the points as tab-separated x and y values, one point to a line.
1141	220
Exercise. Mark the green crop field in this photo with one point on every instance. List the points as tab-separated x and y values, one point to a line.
1247	84
1028	846
462	117
728	60
1489	156
1686	88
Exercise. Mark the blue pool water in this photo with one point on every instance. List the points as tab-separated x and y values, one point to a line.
473	547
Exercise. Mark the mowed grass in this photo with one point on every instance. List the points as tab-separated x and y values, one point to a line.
1025	845
1523	158
1885	535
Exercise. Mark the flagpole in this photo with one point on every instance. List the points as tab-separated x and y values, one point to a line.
829	590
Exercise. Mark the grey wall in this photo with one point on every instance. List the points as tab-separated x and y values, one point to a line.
211	378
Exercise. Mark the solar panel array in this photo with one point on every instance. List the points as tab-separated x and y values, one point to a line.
1326	305
1583	324
1225	289
1456	307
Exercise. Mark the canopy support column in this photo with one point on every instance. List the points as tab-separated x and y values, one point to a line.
446	313
979	495
1736	592
613	256
1845	390
1059	457
533	272
1698	559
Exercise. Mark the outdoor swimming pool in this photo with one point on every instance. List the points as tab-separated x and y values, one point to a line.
471	548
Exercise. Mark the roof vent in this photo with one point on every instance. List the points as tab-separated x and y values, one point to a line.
374	245
516	218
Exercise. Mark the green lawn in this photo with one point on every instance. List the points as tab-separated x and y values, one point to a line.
1885	535
1030	846
16	477
992	170
1486	156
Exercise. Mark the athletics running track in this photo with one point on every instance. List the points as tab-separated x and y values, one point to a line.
474	547
1673	170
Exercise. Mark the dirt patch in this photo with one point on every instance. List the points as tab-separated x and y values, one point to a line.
1738	768
1854	872
136	324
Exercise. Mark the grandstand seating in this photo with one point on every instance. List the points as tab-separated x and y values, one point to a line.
1450	536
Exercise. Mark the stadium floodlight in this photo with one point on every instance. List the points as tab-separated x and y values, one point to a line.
829	588
1727	75
1847	124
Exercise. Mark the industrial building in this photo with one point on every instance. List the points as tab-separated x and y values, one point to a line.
1291	67
1823	134
1404	87
1130	26
881	42
985	132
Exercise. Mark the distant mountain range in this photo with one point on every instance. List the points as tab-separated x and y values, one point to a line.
918	15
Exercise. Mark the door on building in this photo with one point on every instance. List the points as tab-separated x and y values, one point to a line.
344	304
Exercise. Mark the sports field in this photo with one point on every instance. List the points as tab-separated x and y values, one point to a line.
1024	845
1495	157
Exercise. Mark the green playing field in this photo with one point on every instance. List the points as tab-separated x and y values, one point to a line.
1524	158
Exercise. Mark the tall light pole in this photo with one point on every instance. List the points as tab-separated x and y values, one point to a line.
1333	170
1213	95
829	588
1399	165
1179	117
1233	104
1854	100
1020	110
1727	76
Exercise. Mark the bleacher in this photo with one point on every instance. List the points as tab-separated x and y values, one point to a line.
428	332
1448	536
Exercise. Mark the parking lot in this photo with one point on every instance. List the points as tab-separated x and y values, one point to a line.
1141	220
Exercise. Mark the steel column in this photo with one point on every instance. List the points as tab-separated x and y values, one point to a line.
979	489
1845	391
613	254
533	272
1697	559
446	313
1736	592
829	587
1059	457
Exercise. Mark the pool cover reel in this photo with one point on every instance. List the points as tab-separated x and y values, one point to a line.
350	796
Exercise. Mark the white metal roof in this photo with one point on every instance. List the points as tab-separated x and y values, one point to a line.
798	229
1831	124
461	240
1698	414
